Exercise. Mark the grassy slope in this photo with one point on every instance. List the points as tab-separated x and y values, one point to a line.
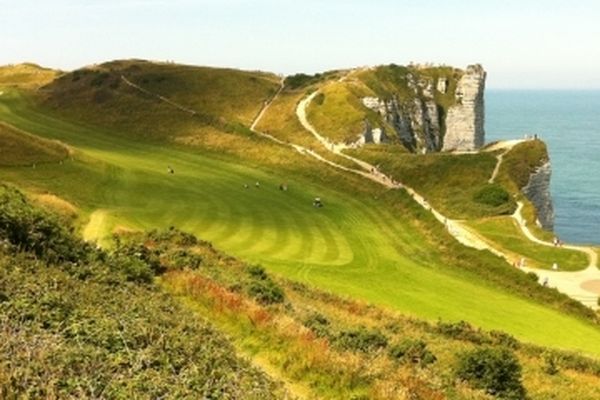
504	233
307	353
80	323
26	75
449	182
339	113
20	148
222	98
354	246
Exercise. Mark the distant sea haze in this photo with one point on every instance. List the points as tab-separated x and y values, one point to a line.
569	123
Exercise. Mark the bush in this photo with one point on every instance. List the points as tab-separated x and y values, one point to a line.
257	272
34	230
361	340
533	276
319	324
461	331
412	352
319	99
266	292
495	370
492	195
262	288
134	269
550	363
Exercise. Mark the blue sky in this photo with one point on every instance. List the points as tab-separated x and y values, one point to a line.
522	44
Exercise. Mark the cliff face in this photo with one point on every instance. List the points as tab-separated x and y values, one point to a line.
416	123
465	120
537	191
434	113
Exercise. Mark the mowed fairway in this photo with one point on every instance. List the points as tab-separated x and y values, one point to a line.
352	246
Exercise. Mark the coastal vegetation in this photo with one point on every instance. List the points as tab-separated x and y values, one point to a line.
368	296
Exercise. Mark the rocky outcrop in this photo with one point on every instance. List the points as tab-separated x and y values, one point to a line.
421	122
416	123
537	191
465	119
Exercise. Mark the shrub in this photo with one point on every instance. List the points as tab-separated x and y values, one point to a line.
550	363
492	195
34	230
412	352
134	269
495	370
99	79
504	339
257	272
461	331
533	276
319	99
319	324
361	340
265	292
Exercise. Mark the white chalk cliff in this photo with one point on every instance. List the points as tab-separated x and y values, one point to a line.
419	120
465	119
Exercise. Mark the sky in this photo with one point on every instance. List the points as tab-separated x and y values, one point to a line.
522	44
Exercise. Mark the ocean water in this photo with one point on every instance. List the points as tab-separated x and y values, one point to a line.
569	123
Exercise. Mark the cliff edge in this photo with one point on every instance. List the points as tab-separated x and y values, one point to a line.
465	120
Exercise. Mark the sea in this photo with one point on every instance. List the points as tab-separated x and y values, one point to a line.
569	123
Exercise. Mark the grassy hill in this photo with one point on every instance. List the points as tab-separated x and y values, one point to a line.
82	323
339	113
26	75
222	99
367	243
21	148
134	322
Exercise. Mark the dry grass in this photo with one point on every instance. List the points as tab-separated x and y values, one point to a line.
29	76
20	148
56	204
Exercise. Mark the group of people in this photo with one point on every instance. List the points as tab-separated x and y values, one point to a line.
284	187
557	242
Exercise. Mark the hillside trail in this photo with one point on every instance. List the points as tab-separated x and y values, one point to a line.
455	228
582	285
505	145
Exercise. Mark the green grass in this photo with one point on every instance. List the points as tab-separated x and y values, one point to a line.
521	161
82	323
338	113
222	98
20	148
357	245
504	233
449	182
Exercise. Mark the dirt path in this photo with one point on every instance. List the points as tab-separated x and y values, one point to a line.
455	228
158	96
505	145
567	282
580	285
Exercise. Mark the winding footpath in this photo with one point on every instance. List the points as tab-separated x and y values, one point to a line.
582	285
